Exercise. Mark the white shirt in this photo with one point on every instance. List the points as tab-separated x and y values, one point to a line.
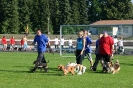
70	42
115	41
56	41
62	41
120	42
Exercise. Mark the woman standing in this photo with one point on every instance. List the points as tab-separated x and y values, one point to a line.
80	51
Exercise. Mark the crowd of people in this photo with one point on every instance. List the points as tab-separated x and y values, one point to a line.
106	47
11	45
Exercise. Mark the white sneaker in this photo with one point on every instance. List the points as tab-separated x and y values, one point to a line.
84	68
79	73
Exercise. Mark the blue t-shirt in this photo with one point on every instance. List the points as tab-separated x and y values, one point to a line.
88	42
41	42
79	43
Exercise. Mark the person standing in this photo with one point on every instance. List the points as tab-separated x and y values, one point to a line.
12	43
25	43
80	46
42	42
88	49
21	44
70	43
115	44
106	47
97	58
62	42
120	46
4	43
56	42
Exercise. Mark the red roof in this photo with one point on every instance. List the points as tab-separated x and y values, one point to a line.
113	22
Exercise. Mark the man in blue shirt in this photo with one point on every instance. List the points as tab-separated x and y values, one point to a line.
42	42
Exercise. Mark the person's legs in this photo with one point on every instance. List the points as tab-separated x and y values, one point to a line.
96	62
90	59
4	47
106	61
40	57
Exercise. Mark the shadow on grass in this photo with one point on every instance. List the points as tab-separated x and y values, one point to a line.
126	64
52	71
14	71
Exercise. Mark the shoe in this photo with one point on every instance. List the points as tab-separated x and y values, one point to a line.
104	69
79	73
91	68
84	68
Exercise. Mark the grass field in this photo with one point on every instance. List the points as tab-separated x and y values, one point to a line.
14	73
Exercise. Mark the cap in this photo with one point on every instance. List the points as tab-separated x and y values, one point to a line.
105	32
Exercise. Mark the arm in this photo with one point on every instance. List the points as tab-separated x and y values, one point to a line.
84	41
33	43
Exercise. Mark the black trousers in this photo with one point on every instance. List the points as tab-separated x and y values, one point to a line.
97	59
79	57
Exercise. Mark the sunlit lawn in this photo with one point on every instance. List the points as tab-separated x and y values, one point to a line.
14	73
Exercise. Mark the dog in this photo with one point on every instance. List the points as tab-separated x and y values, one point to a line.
72	68
77	67
66	69
114	67
40	66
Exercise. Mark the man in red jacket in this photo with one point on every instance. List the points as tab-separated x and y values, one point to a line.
106	46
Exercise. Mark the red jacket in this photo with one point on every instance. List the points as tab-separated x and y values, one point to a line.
12	41
3	40
22	42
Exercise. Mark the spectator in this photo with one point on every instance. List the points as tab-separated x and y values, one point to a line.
120	45
80	50
106	46
97	59
12	43
70	43
4	43
62	42
22	44
25	43
88	49
56	42
41	40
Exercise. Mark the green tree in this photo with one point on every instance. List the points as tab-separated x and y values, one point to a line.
83	12
24	15
94	10
75	14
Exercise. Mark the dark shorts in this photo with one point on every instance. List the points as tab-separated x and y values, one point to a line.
79	57
105	57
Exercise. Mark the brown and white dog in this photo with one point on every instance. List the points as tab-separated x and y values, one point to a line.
72	68
66	69
114	67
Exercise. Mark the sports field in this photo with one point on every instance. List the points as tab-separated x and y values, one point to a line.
14	73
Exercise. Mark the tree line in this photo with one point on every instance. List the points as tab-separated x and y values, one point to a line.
20	16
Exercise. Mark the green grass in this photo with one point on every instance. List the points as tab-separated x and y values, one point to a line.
14	73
